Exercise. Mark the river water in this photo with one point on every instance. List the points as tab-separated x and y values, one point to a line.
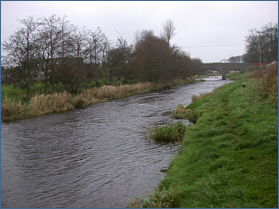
92	157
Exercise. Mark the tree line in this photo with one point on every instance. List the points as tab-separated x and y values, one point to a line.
54	51
262	45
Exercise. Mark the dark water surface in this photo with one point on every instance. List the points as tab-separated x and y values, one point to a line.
92	157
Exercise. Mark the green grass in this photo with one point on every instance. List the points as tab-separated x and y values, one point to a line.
15	95
237	76
168	133
160	198
229	158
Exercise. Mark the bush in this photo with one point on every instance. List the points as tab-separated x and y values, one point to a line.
170	132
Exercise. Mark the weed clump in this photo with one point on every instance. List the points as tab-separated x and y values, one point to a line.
168	133
160	198
183	113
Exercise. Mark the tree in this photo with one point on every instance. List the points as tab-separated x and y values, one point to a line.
152	58
72	72
93	47
184	66
269	43
49	41
66	40
21	51
262	46
119	58
168	30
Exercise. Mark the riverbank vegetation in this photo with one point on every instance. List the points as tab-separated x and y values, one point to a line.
49	58
15	107
167	133
49	55
229	157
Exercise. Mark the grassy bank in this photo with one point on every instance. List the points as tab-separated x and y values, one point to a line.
229	157
8	92
13	106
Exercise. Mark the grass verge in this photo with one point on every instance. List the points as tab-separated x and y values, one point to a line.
229	158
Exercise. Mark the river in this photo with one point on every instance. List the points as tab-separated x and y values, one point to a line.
91	157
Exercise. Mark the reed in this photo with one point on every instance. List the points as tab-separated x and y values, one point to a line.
11	109
168	133
56	102
63	101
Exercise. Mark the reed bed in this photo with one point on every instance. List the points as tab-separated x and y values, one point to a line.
57	102
11	109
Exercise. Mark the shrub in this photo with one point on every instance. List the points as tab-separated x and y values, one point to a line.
170	132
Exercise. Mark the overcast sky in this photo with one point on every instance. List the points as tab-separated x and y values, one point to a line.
210	30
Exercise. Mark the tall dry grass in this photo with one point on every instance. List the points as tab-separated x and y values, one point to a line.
58	102
266	80
11	109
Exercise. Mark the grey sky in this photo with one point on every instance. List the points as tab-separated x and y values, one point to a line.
199	24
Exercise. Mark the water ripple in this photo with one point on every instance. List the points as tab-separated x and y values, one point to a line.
92	157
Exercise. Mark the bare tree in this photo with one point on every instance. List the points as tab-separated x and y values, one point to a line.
152	58
168	30
94	47
262	46
119	58
21	51
49	45
66	40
